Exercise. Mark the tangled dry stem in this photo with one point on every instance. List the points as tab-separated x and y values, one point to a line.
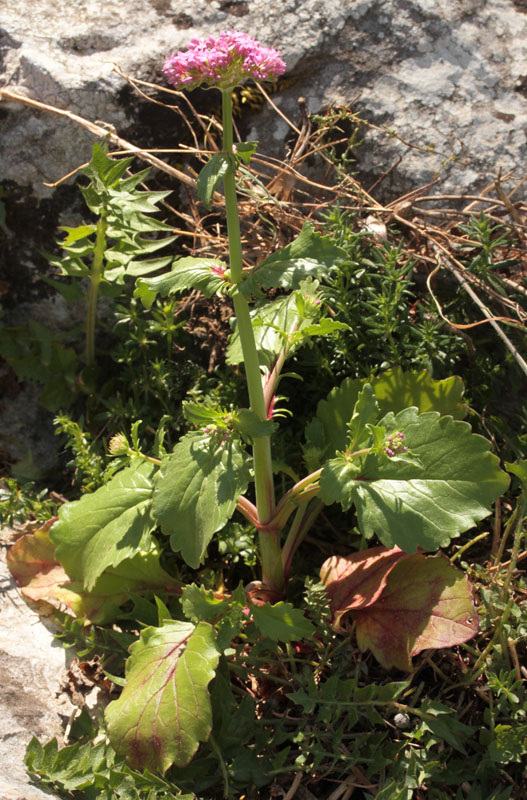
278	196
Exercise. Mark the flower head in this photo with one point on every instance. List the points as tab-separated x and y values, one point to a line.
223	62
118	445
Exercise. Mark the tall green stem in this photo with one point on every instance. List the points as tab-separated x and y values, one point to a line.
270	552
95	279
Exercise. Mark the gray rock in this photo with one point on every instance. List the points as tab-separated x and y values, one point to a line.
31	665
447	73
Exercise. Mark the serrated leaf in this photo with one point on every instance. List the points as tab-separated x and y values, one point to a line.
80	232
250	425
211	175
197	490
426	603
276	324
199	604
365	413
281	622
104	528
310	255
164	711
198	414
326	327
446	486
205	274
394	391
33	564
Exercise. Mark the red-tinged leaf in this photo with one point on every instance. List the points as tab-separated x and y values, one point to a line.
356	581
40	577
165	711
426	603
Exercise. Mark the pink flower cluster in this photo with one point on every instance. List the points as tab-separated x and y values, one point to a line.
223	62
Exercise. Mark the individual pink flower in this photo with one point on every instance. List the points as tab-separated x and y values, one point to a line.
223	62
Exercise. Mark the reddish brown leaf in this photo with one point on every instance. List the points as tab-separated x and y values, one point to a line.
32	564
426	603
356	581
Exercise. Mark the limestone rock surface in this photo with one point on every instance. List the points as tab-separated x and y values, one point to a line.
446	74
31	666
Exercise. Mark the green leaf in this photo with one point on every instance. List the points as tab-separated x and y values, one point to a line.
365	413
211	175
164	711
518	468
74	234
244	151
104	528
281	622
197	490
310	255
250	425
394	391
72	292
205	274
199	604
446	485
278	323
440	720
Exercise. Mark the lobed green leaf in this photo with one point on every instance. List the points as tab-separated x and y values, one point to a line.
310	255
205	274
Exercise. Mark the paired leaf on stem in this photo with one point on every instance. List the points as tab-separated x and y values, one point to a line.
445	486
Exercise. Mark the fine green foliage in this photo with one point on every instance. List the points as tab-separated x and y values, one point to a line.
95	773
164	710
106	527
196	491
